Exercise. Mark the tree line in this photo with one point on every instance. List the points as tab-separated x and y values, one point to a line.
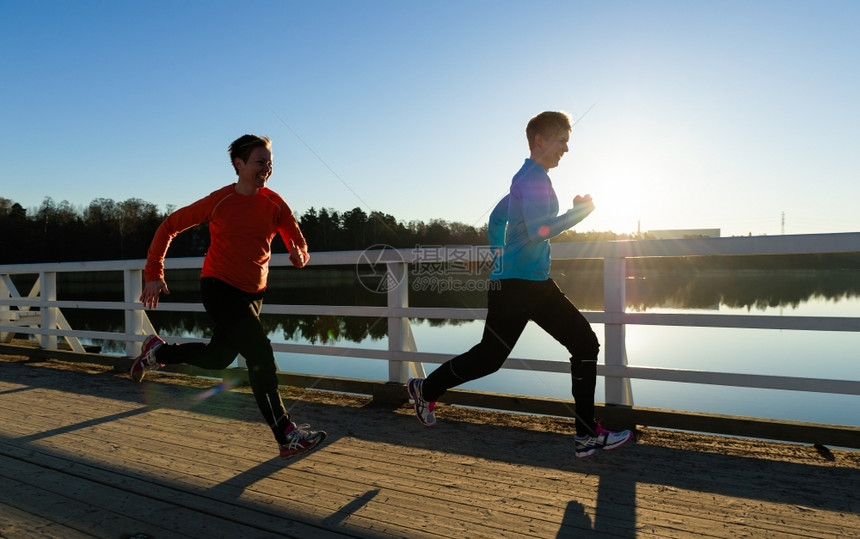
110	230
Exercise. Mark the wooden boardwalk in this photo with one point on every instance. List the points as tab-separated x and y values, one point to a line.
86	453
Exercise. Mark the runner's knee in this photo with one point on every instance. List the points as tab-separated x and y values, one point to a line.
583	370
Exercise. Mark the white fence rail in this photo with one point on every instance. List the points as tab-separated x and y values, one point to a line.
17	314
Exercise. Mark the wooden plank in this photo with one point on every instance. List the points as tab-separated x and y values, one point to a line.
445	482
15	522
87	505
329	489
381	474
126	501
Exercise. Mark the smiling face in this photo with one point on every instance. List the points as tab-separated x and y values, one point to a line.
255	172
548	134
548	149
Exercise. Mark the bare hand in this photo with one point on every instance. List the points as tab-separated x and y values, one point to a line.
583	202
299	257
149	297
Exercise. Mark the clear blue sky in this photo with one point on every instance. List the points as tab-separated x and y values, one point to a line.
700	114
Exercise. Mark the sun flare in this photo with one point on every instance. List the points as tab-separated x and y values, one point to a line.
622	199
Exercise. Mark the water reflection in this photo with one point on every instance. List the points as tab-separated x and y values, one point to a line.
752	290
697	288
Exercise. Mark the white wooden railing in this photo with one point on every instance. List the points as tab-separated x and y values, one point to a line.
17	314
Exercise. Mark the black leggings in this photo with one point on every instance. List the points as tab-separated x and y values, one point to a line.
238	330
510	305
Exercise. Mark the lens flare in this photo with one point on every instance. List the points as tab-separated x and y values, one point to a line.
226	385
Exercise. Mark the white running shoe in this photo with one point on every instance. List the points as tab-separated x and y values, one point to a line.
423	409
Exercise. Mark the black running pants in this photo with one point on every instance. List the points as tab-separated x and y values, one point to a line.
238	330
511	303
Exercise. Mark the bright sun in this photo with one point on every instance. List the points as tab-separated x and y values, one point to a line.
621	199
624	201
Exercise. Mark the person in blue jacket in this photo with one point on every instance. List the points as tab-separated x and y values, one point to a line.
520	227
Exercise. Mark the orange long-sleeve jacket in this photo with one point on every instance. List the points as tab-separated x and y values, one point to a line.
241	230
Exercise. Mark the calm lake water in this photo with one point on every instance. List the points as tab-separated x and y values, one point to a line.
787	292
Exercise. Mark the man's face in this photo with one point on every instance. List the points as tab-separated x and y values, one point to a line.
549	149
256	171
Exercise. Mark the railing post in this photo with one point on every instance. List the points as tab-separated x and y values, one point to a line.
398	326
133	287
618	390
48	314
5	293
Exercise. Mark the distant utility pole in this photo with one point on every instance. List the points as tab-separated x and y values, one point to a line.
783	223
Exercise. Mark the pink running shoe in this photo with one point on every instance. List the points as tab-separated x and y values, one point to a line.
146	360
300	439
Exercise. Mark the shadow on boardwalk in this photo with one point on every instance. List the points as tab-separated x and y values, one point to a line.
85	452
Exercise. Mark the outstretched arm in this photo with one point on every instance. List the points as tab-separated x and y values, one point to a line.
181	219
